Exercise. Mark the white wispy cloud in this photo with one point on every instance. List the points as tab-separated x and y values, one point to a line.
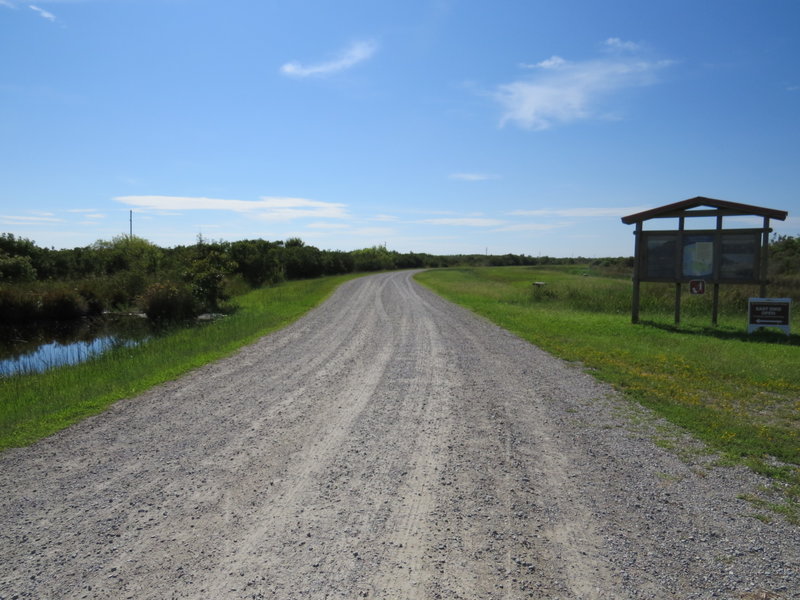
533	227
26	220
267	208
587	211
372	232
465	222
346	232
7	4
327	226
319	211
472	176
550	63
354	54
615	43
562	91
43	13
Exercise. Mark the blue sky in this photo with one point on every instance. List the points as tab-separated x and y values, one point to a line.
437	126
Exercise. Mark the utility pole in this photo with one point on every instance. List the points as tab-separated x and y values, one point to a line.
130	236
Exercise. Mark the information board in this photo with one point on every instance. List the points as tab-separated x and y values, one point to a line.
739	260
701	254
698	255
717	256
659	256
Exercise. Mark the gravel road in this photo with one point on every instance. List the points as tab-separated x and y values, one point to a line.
388	445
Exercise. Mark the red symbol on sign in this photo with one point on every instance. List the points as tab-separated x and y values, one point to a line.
697	286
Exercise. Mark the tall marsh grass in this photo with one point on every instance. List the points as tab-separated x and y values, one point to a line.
588	290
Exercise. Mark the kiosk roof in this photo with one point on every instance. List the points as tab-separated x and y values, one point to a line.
685	208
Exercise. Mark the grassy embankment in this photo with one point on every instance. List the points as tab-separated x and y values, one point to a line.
35	405
739	394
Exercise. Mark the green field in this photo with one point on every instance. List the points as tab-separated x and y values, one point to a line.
739	394
35	405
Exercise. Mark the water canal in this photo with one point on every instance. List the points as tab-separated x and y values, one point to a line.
33	348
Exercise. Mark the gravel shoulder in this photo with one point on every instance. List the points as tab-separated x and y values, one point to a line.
387	445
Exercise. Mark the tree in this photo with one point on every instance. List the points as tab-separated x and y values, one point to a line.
207	278
301	261
258	261
14	269
377	258
126	253
784	253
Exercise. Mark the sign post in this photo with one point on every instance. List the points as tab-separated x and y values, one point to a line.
769	312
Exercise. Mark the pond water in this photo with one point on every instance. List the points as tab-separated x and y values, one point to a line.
33	348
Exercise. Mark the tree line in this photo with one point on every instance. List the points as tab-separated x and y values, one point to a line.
130	273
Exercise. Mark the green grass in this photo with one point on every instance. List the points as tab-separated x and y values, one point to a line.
36	405
739	394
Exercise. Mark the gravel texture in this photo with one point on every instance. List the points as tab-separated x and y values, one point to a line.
387	445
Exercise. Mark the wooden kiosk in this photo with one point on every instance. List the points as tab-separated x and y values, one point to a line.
701	256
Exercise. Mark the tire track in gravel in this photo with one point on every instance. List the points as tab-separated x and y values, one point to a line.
387	445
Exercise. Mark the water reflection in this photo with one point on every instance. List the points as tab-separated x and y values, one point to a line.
41	346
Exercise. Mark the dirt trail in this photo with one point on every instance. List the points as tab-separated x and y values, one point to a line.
388	445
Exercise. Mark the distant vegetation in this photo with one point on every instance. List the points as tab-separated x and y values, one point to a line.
132	274
785	261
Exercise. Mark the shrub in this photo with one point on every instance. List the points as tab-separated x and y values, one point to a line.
168	302
258	261
62	304
18	305
133	284
207	278
377	258
116	294
94	302
16	268
235	285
